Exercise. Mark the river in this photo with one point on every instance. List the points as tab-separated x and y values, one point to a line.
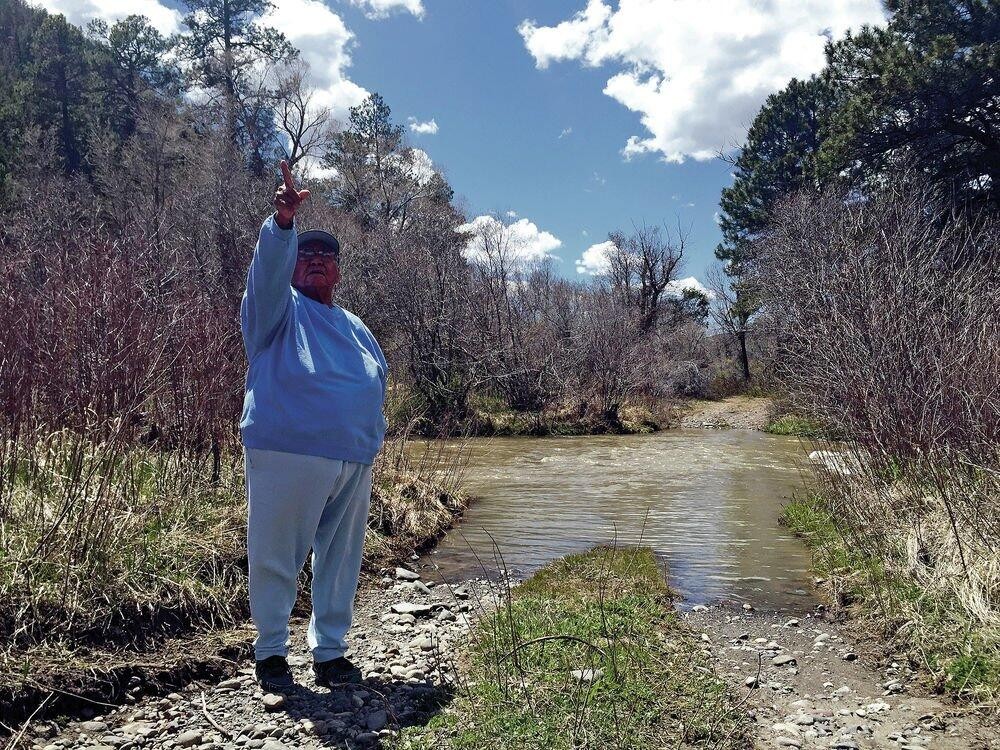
707	501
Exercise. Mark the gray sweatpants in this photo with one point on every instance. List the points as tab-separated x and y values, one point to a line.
297	502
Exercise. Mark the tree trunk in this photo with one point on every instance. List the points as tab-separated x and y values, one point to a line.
744	357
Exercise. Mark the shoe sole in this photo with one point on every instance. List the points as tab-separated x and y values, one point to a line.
272	687
351	678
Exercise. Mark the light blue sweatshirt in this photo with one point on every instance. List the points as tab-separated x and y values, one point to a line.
316	380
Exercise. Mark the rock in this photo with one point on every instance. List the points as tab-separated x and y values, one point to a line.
398	671
94	726
793	623
747	606
784	660
788	742
461	593
751	681
377	720
189	738
272	745
408	608
844	743
274	702
421	587
402	574
803	720
232	684
587	675
850	656
699	608
786	728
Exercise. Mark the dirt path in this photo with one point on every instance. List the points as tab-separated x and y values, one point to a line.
402	640
735	412
815	688
818	689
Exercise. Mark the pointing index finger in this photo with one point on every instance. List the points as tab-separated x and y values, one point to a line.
287	174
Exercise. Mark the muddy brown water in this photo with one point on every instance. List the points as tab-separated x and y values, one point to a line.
707	501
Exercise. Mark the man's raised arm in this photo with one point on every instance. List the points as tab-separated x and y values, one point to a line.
268	291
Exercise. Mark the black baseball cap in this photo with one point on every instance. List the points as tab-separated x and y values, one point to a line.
325	238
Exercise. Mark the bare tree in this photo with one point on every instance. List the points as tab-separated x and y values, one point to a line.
641	268
308	128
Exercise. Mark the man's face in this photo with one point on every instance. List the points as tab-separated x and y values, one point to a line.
316	267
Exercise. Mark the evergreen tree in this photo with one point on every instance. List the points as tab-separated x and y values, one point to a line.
379	177
226	46
924	93
58	84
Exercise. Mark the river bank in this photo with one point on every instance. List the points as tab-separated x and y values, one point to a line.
810	682
162	601
431	682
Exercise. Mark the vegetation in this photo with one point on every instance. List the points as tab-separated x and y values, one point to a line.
792	424
863	225
919	93
935	627
587	652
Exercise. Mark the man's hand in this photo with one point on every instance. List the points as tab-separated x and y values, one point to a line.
287	198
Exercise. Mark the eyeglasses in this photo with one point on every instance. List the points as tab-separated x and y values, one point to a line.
314	252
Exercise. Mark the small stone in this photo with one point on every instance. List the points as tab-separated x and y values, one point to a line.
587	675
402	574
273	702
747	606
751	681
783	660
850	656
788	742
699	608
786	728
232	684
408	608
377	720
188	739
94	726
793	623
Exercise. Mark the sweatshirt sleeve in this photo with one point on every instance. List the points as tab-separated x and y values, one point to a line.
268	293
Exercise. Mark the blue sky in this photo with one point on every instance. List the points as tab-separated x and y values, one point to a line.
581	116
500	119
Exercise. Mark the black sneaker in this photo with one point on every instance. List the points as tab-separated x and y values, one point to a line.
334	671
273	673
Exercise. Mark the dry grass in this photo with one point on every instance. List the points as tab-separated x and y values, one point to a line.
888	315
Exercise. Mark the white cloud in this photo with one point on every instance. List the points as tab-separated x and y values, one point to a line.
565	132
421	166
594	260
526	241
423	128
164	19
676	288
697	71
384	8
511	214
324	42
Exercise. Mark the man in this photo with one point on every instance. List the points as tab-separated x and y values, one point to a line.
311	426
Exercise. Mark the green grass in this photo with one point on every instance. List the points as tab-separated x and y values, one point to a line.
792	424
609	611
962	658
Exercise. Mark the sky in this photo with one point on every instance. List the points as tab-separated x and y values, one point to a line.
568	118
